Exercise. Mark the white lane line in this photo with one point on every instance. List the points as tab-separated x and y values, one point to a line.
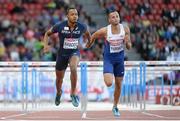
15	115
11	116
160	116
153	115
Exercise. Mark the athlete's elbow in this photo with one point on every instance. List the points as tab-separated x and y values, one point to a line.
48	33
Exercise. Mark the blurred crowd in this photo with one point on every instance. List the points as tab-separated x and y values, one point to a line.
24	22
154	26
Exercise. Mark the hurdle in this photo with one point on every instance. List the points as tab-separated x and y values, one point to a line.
133	91
142	86
134	77
34	88
24	87
135	88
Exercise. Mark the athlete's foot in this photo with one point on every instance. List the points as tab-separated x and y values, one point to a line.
75	100
115	111
57	100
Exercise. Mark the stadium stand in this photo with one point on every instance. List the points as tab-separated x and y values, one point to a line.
23	23
154	26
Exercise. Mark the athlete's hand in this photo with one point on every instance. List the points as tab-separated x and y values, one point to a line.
126	39
88	45
46	49
127	42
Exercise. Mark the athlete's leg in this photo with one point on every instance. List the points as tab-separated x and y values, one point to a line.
74	61
117	90
59	80
61	65
118	73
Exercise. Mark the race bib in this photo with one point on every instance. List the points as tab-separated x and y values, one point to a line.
70	43
116	46
115	49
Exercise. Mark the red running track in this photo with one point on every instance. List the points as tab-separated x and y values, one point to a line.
91	115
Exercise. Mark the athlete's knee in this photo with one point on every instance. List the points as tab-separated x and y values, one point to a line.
108	83
108	79
58	79
118	84
73	68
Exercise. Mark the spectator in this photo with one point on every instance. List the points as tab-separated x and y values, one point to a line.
23	23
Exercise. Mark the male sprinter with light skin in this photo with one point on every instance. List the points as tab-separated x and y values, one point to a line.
69	32
116	36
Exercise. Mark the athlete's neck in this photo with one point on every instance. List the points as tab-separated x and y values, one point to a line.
115	29
71	25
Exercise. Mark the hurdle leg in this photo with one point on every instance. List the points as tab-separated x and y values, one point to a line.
22	86
144	86
26	87
83	90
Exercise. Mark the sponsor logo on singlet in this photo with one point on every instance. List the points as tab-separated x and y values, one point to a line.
76	32
116	45
65	32
70	43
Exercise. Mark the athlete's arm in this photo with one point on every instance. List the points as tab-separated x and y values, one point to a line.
98	34
127	38
45	40
87	34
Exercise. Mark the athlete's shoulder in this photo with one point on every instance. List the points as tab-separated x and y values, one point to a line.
101	32
109	25
126	27
82	25
103	29
59	24
62	23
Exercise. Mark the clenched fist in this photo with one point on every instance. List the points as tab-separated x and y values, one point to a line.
46	49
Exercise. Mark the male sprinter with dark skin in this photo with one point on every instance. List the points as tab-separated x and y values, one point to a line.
69	32
116	36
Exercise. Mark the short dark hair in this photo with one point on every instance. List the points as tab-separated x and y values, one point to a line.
70	8
110	10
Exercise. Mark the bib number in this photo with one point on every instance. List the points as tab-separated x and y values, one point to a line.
115	49
70	43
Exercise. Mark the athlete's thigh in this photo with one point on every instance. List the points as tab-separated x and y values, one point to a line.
60	74
108	72
61	63
73	61
119	69
107	66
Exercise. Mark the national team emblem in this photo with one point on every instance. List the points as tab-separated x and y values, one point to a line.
66	28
